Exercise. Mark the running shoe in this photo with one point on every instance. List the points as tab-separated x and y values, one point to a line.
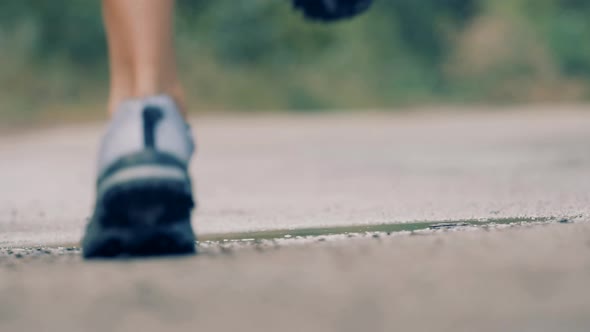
331	10
144	194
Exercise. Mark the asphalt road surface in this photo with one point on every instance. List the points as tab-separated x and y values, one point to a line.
293	171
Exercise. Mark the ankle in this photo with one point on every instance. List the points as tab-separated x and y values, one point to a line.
176	93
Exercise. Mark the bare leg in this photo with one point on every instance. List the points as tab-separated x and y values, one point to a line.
144	196
141	50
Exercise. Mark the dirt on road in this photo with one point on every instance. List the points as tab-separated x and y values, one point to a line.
515	279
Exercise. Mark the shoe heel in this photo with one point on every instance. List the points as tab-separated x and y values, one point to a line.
142	217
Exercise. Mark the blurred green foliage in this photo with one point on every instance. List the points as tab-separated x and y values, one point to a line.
260	55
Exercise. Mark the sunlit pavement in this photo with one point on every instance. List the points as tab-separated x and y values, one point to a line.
265	172
293	171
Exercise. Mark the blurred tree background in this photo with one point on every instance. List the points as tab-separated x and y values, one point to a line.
260	55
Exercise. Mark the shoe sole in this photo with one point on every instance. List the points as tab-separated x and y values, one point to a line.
142	211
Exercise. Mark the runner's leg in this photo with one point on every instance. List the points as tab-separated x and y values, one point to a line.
143	190
141	50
